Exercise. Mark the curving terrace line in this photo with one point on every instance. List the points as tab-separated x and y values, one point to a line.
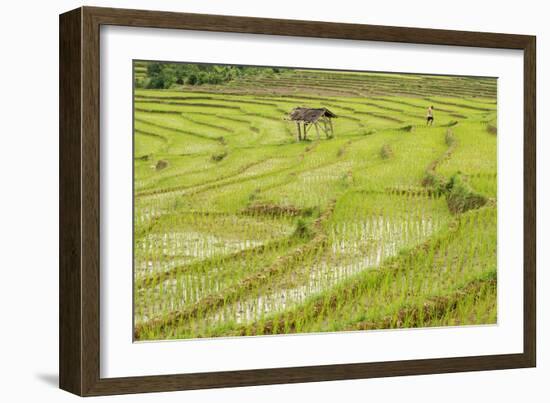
175	129
184	101
206	124
465	106
226	180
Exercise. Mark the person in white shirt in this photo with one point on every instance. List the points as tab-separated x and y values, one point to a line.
430	116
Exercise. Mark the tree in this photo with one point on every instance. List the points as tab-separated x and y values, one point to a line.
166	75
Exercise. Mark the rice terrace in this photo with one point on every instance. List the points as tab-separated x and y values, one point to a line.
278	201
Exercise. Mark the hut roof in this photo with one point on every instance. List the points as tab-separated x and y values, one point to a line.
310	115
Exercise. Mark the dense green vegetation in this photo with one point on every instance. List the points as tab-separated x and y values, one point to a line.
240	229
157	75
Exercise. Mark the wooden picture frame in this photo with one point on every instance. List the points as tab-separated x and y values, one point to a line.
79	317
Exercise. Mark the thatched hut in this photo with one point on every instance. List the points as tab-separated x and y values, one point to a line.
321	118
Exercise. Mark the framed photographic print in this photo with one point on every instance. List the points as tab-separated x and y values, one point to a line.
249	201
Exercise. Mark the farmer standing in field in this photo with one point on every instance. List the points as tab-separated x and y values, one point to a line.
430	116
